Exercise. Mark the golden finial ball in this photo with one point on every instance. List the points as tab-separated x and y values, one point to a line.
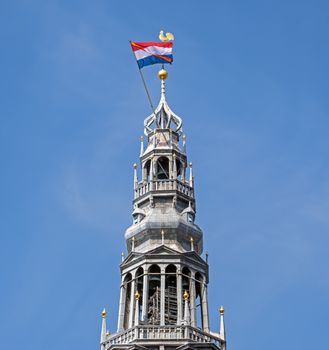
221	310
163	74
104	313
135	166
186	295
137	295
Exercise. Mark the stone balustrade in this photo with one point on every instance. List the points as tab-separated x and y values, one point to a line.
163	185
161	333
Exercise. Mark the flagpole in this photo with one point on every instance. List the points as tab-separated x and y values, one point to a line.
144	83
147	91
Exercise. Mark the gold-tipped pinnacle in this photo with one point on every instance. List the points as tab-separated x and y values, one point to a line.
186	296
135	166
104	313
221	310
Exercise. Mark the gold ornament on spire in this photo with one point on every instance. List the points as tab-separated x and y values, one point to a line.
162	74
186	296
104	313
167	37
221	310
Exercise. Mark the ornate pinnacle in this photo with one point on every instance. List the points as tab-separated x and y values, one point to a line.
221	310
104	313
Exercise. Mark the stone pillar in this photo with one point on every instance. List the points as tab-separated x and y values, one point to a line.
123	295
162	296
192	299
183	173
132	302
179	296
170	168
155	168
204	307
145	296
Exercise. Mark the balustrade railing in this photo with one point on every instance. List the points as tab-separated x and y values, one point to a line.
145	333
163	185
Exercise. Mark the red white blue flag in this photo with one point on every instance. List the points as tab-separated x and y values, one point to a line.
148	53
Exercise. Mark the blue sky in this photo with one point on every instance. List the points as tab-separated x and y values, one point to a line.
250	80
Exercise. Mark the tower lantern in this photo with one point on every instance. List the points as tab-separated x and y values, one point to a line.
164	279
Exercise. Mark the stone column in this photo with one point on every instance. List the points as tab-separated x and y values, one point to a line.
145	296
204	307
155	168
132	301
179	296
183	173
122	305
170	169
162	296
192	299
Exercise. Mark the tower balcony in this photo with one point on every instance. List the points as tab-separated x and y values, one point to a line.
163	186
175	333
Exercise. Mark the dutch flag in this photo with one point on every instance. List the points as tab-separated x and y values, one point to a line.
152	52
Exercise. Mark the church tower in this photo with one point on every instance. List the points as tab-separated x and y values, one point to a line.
164	279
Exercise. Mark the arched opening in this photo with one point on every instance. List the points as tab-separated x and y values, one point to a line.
154	294
127	296
186	275
198	299
146	170
171	295
163	168
179	167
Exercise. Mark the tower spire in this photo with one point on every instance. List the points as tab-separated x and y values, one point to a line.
187	316
164	277
103	332
222	325
163	76
137	297
163	117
